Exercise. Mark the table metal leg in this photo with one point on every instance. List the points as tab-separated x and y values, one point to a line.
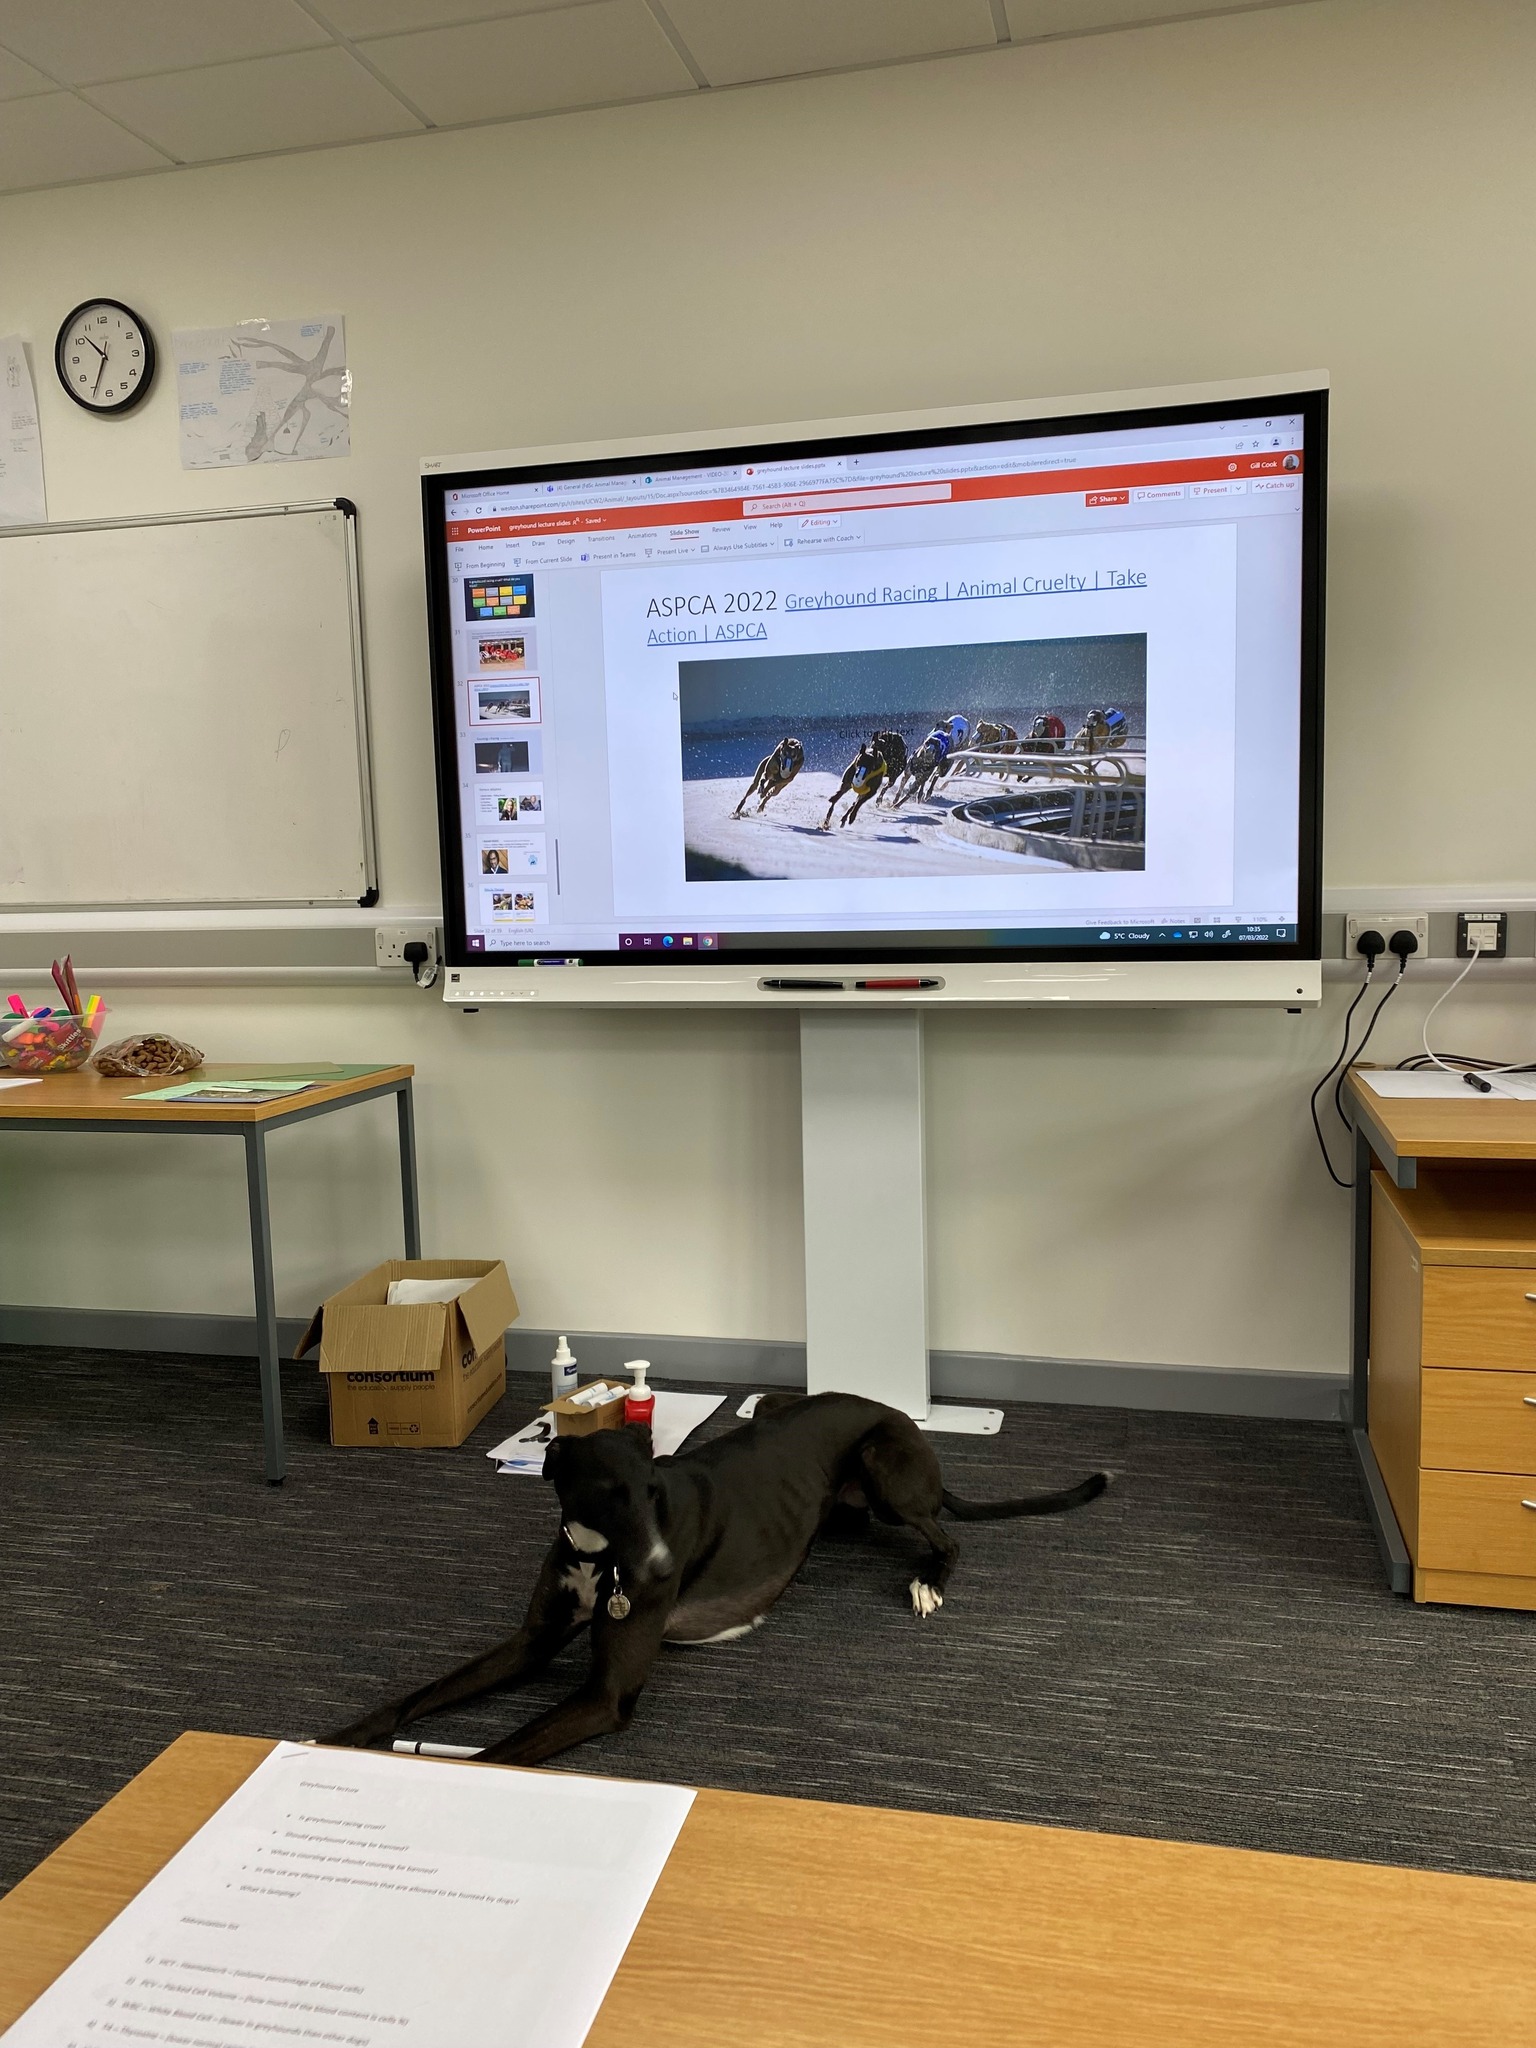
1389	1537
410	1199
266	1303
1360	1285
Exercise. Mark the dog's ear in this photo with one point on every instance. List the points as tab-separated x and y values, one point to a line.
552	1458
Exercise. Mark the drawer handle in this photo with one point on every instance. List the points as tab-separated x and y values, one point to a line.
1528	1503
1530	1400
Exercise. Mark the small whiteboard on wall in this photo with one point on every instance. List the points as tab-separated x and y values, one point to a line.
183	713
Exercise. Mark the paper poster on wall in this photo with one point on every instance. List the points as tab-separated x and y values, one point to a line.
22	501
264	391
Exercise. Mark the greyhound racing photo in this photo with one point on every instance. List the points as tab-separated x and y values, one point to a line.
1023	755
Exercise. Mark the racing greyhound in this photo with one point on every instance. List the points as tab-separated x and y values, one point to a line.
864	775
775	772
894	748
697	1548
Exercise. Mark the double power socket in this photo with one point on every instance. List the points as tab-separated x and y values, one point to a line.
1485	932
1386	922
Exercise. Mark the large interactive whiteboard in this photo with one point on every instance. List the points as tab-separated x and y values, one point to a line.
183	712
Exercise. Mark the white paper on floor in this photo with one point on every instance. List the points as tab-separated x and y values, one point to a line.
677	1417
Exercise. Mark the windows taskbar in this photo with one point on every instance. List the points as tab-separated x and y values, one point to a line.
1052	939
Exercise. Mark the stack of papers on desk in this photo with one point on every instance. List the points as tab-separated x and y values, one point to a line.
376	1901
225	1091
677	1417
1431	1083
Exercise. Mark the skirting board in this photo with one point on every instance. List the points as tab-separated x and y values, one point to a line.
955	1375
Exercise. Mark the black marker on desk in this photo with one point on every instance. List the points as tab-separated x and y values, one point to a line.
1476	1081
770	983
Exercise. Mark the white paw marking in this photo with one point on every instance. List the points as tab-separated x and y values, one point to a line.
583	1538
925	1600
581	1580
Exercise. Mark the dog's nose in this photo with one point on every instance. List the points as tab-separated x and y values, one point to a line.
658	1561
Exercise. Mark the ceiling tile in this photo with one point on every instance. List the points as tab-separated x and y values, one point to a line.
389	17
735	40
17	78
84	41
533	63
267	103
56	139
1028	18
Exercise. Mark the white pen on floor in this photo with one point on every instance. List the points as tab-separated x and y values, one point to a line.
404	1747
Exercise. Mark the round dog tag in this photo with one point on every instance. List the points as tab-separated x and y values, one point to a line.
618	1605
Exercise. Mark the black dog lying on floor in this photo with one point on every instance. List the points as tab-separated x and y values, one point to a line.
696	1549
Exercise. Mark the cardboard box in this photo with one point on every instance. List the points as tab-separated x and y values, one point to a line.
420	1375
573	1421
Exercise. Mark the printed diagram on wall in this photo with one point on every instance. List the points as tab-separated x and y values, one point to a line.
264	391
22	502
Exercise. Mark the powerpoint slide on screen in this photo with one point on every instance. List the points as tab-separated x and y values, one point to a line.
799	740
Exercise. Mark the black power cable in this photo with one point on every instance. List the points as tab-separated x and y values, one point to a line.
1371	945
1402	944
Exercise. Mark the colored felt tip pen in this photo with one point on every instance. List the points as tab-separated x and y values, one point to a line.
1476	1081
404	1747
18	1007
905	981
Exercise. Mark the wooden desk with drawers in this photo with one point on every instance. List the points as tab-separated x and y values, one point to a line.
1443	1379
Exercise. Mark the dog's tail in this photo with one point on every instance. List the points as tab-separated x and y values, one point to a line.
1031	1504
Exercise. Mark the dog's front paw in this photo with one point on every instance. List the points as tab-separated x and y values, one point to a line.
926	1599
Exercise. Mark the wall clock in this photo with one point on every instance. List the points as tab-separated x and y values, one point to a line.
105	356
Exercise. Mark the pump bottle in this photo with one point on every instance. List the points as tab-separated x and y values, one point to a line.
640	1401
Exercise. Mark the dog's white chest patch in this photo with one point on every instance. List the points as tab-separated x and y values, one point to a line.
581	1579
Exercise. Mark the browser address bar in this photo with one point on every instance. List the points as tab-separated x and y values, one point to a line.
869	499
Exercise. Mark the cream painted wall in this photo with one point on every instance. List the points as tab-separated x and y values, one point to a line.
1347	183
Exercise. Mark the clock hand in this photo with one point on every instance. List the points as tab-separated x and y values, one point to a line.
99	368
95	345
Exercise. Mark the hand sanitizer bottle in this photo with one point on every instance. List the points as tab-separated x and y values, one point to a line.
562	1371
639	1402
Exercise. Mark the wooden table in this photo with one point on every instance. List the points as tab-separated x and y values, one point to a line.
785	1923
1397	1132
89	1101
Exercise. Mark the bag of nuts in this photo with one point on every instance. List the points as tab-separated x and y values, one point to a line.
147	1056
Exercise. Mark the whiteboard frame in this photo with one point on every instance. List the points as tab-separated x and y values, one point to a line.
370	897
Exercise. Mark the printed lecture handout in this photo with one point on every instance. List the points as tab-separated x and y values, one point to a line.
348	1897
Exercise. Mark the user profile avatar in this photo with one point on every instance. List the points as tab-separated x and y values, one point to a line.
1292	461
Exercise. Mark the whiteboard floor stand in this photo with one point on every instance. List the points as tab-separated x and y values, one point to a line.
866	1248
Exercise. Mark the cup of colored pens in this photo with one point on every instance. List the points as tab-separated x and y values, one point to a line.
48	1041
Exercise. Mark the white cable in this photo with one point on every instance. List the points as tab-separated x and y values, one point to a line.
1434	1057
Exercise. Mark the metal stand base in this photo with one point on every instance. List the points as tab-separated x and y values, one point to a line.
947	1420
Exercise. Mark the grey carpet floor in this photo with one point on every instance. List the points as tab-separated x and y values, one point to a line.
1206	1653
